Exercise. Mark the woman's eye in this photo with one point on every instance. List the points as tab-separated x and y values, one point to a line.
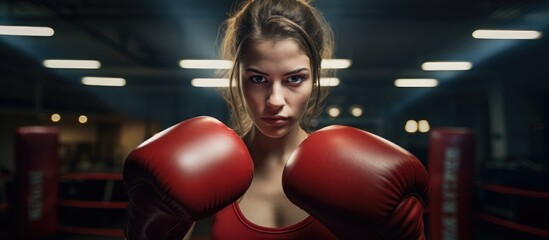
258	79
296	79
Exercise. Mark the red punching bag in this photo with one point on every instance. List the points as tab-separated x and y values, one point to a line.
451	169
36	182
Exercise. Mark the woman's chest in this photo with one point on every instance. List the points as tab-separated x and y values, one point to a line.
265	204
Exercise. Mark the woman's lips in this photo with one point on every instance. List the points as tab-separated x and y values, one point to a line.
276	121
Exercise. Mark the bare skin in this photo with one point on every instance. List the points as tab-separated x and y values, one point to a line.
265	203
276	84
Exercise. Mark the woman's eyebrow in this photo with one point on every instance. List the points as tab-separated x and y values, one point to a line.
288	73
256	71
296	71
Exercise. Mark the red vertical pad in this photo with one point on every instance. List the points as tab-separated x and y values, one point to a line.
451	169
36	182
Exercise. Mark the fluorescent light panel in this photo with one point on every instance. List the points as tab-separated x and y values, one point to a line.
227	64
74	64
335	63
416	82
224	82
26	31
206	64
506	34
329	82
104	81
210	82
446	66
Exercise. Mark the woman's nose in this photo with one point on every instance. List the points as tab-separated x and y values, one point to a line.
275	98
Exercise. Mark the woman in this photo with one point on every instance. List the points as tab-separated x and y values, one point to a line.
277	48
364	187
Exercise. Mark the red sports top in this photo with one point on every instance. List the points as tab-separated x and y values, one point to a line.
230	223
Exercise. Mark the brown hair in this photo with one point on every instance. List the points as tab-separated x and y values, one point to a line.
257	20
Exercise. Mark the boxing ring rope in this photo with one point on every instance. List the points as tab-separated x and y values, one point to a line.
123	204
93	204
513	225
504	222
92	176
513	190
99	204
90	204
507	223
93	231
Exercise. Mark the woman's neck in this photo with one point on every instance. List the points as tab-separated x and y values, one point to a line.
264	148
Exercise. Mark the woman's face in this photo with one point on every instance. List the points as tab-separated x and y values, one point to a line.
276	85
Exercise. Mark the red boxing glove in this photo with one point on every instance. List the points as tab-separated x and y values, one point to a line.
358	185
187	172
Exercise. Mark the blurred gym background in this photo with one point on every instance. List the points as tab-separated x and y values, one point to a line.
404	69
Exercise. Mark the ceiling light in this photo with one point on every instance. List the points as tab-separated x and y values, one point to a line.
329	82
206	64
26	31
210	82
55	117
335	63
104	81
423	126
446	66
75	64
411	126
416	82
334	111
82	119
506	34
356	111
